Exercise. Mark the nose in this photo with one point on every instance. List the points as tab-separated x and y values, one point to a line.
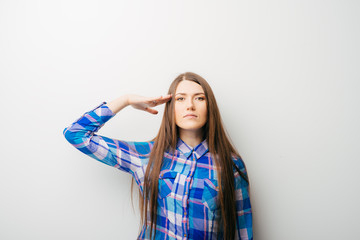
190	104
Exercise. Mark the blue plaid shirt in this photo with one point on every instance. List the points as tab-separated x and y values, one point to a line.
188	185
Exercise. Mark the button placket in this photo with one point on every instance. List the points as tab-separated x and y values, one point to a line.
192	159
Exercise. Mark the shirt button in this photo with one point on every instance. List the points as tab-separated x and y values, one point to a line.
185	192
185	235
185	213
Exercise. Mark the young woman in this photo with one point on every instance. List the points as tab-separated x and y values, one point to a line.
192	181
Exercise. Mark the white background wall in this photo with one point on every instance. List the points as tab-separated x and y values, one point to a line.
285	74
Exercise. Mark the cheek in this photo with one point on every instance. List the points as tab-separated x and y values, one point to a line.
177	113
204	111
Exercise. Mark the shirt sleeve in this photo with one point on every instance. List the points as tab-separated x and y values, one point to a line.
124	155
244	230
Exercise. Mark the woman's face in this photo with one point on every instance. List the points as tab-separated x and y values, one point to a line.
190	106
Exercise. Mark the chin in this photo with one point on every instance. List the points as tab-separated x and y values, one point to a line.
190	127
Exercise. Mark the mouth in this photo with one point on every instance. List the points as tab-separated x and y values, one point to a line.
190	116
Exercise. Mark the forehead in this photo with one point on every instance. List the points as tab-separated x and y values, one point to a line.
189	87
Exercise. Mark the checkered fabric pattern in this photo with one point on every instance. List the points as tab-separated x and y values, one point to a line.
188	187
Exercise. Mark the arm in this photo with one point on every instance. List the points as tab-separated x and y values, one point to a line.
244	229
117	104
127	156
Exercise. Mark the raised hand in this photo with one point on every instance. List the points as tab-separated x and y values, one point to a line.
147	103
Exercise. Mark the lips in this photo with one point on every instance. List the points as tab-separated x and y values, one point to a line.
190	115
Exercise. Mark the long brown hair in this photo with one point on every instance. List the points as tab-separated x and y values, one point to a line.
219	146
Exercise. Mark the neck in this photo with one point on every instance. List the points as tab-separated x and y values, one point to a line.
191	137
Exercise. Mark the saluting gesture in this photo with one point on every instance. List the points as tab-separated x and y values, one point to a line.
193	183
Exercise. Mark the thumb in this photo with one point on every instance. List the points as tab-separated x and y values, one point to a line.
151	110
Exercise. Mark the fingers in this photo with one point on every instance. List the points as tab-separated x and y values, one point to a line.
161	99
156	101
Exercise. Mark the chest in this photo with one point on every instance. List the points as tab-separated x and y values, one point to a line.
189	181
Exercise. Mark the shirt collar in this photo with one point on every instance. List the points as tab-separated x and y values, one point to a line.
199	150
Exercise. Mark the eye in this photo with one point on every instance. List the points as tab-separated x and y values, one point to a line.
201	98
179	98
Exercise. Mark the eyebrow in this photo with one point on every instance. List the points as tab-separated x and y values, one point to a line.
200	93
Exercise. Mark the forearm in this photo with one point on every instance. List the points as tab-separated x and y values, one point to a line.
124	155
119	103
